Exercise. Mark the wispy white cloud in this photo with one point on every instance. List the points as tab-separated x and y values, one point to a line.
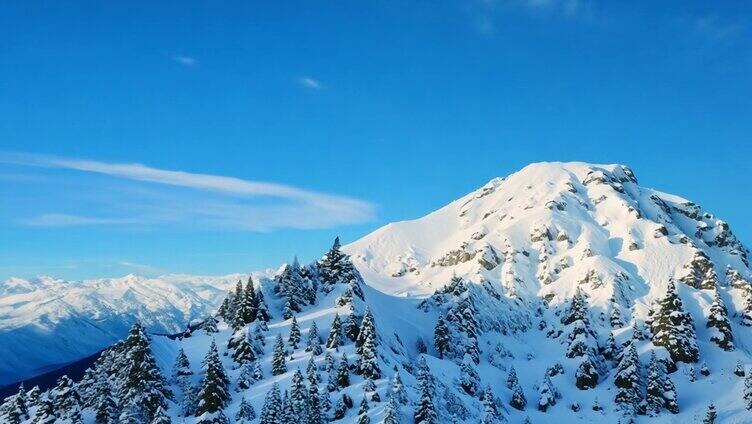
311	83
209	201
65	220
185	60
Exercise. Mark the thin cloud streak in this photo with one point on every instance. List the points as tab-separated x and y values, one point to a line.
216	200
185	60
311	83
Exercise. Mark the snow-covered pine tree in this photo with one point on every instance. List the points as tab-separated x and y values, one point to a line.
250	294
739	369
701	273
398	389
312	373
612	351
131	413
615	318
214	393
747	394
45	413
245	377
271	412
336	268
425	412
244	352
295	336
463	315
65	397
368	363
343	372
628	380
245	414
335	334
20	404
718	320
227	309
363	412
262	311
518	400
181	367
746	313
313	340
441	339
352	326
710	415
469	378
161	417
105	407
315	413
258	373
143	382
586	376
654	401
299	395
547	394
291	287
278	356
512	379
245	310
391	412
209	326
673	328
32	397
288	411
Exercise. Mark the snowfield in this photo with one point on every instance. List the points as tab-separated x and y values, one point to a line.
555	266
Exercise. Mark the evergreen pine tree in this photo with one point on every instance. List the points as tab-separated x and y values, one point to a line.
718	320
391	412
45	413
294	338
32	397
518	401
214	393
246	414
244	352
299	395
512	377
258	373
131	413
469	326
363	412
288	411
710	415
312	373
161	417
425	412
701	273
586	376
673	328
105	409
441	339
628	380
335	334
278	357
469	378
352	327
746	313
739	370
547	394
246	378
291	287
262	311
368	364
209	326
250	296
313	340
66	398
181	367
343	372
143	383
271	412
226	309
315	413
615	319
336	268
748	392
398	389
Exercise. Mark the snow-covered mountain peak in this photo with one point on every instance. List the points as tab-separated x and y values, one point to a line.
548	229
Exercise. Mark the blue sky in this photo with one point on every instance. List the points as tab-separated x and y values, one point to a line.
291	122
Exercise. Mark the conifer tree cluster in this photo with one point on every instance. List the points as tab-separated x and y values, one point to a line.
366	344
700	272
582	342
628	381
660	390
336	268
214	393
673	328
293	288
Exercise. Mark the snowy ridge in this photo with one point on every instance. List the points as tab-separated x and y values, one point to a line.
565	292
87	316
